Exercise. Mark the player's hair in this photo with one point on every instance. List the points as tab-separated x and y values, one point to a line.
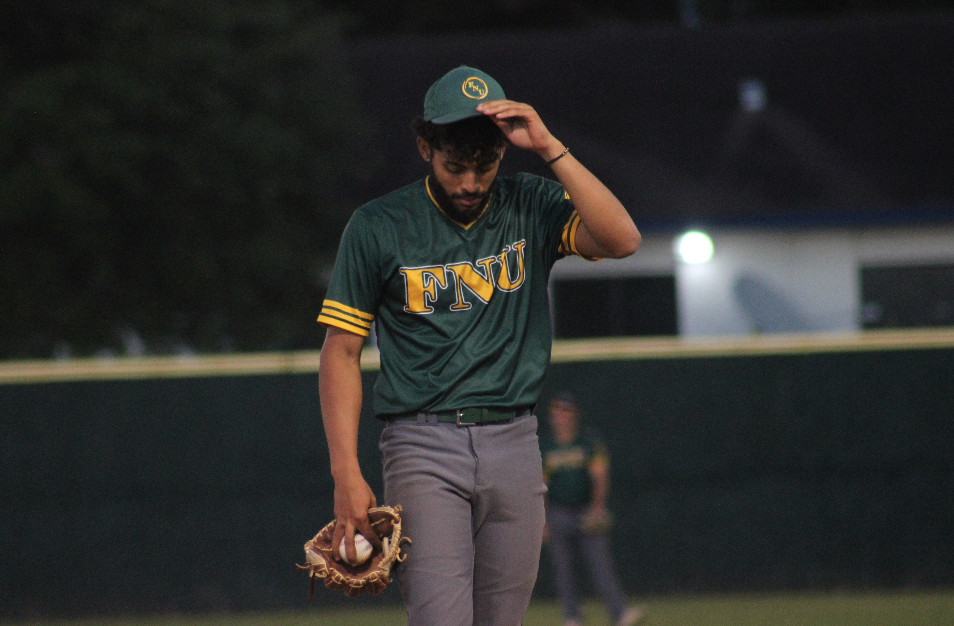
564	398
474	139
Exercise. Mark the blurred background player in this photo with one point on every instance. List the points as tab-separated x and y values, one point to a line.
576	470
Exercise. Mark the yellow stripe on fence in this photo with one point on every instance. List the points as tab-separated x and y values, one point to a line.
564	351
630	348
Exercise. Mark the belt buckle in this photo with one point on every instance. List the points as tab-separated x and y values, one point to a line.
459	413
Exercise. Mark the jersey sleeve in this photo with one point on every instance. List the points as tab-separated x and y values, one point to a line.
600	452
568	238
352	297
559	220
596	444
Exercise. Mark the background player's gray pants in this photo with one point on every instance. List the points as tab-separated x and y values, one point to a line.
473	507
565	537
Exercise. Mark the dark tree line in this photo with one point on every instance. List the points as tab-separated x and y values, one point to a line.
169	174
171	170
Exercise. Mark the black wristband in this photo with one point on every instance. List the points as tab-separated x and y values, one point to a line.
557	158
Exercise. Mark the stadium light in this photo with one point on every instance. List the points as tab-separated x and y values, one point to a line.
694	247
752	96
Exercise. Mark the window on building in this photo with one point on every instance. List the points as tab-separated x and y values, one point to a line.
614	307
907	296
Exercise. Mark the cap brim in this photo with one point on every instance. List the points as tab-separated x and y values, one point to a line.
456	116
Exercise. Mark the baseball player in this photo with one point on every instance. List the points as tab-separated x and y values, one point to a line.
576	471
453	271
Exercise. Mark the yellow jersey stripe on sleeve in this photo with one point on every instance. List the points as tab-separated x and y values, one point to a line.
568	239
601	454
571	237
345	317
564	237
568	245
327	320
331	304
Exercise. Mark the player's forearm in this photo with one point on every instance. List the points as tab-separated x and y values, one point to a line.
339	384
605	219
610	230
600	492
599	477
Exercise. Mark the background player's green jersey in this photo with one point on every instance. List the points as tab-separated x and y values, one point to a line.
566	468
462	313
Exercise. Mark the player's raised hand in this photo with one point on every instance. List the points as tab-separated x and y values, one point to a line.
522	126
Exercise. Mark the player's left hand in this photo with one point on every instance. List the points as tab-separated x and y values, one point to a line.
522	126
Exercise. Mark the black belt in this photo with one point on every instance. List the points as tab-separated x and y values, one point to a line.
463	417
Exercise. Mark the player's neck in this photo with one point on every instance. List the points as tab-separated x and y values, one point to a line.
450	209
563	436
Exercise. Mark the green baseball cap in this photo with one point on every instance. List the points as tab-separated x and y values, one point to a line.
455	95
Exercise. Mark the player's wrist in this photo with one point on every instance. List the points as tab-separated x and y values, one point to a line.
347	473
552	151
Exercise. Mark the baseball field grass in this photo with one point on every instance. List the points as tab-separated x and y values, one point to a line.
916	608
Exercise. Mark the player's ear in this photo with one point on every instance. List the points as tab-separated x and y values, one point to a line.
425	149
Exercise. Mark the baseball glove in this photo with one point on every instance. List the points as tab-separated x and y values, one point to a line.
374	575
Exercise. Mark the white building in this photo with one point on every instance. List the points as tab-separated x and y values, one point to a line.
762	280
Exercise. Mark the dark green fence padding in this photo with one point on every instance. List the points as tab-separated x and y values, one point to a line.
820	470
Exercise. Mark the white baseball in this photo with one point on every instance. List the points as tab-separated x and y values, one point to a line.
362	547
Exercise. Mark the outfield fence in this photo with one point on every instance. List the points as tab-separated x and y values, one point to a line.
763	463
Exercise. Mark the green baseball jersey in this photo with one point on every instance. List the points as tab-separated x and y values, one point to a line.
461	312
566	468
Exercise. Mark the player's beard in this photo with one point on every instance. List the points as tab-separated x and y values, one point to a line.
461	215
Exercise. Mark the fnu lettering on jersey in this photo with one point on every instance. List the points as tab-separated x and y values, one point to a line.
421	283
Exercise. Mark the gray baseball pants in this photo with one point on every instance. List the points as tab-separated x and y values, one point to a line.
473	505
565	538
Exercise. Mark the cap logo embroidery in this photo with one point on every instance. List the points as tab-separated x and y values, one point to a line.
474	88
